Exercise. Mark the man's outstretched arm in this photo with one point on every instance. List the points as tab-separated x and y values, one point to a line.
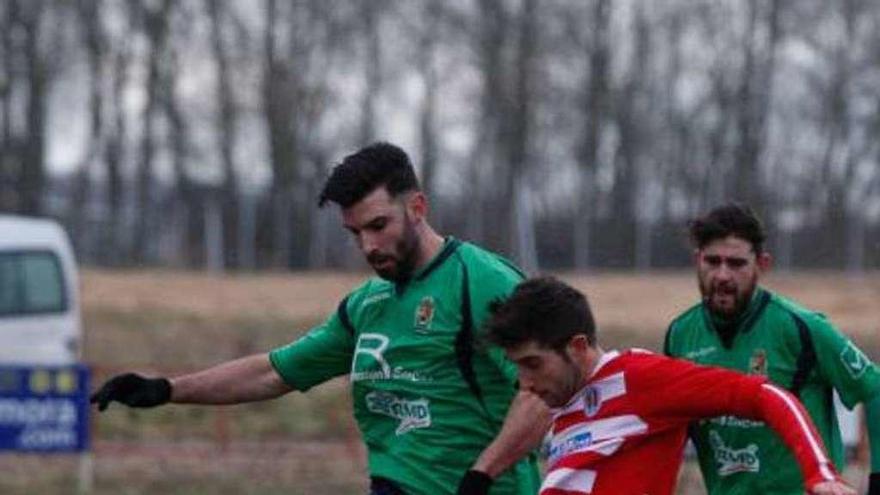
697	392
247	379
525	425
785	414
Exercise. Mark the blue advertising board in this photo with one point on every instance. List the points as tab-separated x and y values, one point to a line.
44	408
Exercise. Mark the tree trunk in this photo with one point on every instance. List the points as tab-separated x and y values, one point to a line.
630	178
372	70
226	133
428	113
145	235
10	157
93	38
113	157
596	110
278	110
522	240
488	158
33	172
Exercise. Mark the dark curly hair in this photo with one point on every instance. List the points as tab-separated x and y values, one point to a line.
731	219
544	310
359	174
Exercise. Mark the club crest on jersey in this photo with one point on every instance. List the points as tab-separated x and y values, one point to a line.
758	363
592	400
424	315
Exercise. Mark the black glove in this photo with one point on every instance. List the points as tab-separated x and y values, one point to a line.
474	483
133	390
874	484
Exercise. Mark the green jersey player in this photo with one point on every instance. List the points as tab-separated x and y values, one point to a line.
428	398
399	345
742	326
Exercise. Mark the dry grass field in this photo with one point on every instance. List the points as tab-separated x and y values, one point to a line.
641	302
167	322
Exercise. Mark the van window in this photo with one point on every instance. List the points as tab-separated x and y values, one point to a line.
31	282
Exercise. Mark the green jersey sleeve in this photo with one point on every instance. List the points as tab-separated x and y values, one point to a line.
843	364
319	355
494	279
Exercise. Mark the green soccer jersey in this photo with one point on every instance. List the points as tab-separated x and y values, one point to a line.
795	348
406	349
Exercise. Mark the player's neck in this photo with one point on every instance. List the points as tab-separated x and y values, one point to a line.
591	362
430	243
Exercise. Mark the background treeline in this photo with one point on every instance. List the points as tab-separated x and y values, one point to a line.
564	133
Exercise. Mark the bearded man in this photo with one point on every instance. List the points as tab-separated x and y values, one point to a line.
743	326
427	398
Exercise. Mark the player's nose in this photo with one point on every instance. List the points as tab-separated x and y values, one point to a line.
369	244
723	272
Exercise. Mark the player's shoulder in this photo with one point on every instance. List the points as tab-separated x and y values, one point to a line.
636	357
797	312
482	260
643	364
370	291
688	321
688	317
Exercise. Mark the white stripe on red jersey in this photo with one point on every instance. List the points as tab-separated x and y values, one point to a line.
571	481
624	432
814	441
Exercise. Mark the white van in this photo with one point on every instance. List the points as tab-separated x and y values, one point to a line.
40	321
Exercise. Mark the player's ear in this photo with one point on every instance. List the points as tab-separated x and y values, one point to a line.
578	343
417	205
764	261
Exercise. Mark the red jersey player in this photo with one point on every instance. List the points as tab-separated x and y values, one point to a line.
620	418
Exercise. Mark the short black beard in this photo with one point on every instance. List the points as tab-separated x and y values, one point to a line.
733	315
706	295
729	324
408	251
738	310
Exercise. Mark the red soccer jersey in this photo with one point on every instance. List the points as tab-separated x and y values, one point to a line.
625	431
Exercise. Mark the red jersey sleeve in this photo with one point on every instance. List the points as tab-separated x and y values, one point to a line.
681	391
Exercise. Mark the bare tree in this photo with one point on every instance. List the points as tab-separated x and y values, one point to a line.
833	176
33	167
630	116
95	43
428	132
181	206
492	28
154	23
115	149
10	158
372	14
754	101
519	139
278	110
227	116
657	109
596	110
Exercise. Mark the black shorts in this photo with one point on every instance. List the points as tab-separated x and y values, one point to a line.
384	486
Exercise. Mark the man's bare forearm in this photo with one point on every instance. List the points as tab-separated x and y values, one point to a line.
247	379
527	421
